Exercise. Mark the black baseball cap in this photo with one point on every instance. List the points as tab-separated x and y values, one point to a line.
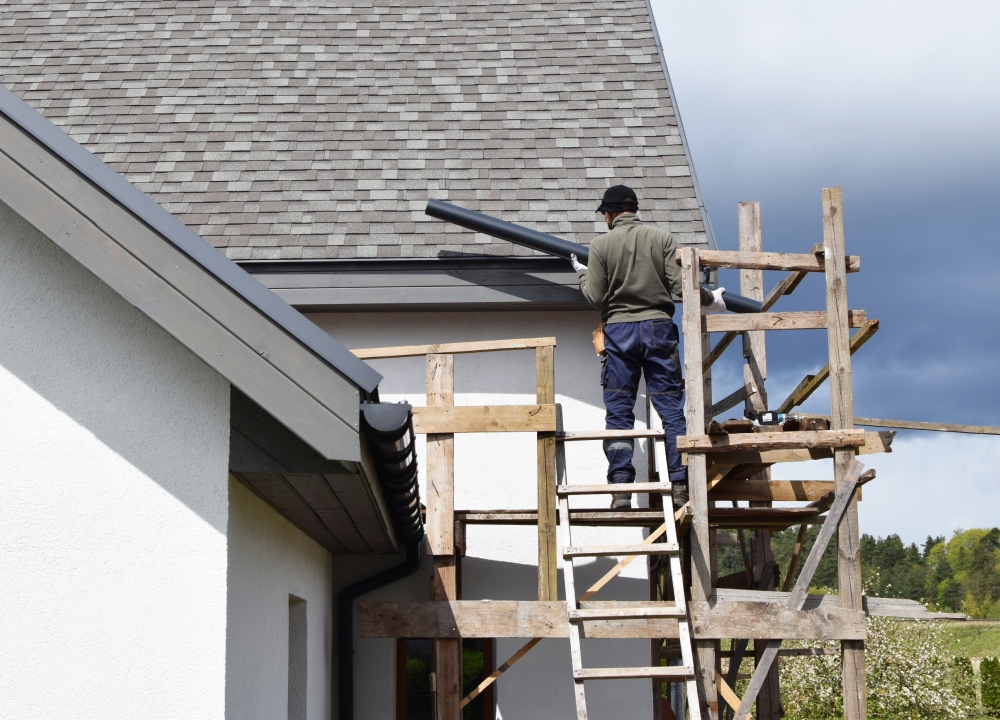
619	198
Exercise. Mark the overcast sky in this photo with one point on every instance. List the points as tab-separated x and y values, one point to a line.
899	104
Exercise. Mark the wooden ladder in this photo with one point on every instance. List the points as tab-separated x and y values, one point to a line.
638	611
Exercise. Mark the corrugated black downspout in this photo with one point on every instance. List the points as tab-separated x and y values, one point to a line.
392	442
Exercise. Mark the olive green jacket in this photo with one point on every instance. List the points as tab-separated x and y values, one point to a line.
632	274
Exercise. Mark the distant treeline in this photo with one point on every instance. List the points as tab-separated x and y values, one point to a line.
957	575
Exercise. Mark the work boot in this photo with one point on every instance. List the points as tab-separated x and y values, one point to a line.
621	501
679	491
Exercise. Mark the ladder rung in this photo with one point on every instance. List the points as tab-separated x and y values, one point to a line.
610	488
678	672
605	550
627	613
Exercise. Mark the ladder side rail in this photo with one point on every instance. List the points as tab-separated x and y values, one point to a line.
576	655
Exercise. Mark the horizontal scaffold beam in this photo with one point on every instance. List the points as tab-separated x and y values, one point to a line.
772	490
807	320
875	442
798	440
484	418
461	348
527	618
769	260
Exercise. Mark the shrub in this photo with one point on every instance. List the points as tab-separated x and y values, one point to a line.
963	681
989	673
908	677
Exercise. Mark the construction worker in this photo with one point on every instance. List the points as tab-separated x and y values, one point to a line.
633	279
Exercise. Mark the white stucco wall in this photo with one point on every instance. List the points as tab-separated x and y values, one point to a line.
270	559
113	467
498	471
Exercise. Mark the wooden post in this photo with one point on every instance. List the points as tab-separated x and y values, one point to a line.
842	416
545	384
752	286
754	376
698	538
440	491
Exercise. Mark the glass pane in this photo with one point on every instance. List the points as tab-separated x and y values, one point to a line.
419	702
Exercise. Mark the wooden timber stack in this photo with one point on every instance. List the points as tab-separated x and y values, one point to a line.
727	463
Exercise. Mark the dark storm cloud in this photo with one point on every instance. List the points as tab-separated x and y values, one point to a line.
896	103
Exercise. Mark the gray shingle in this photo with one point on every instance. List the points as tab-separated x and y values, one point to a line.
318	130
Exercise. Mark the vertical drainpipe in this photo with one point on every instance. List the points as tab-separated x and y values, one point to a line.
388	429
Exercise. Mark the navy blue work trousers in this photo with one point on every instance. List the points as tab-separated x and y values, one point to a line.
648	348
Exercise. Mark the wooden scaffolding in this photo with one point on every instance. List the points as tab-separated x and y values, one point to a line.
727	463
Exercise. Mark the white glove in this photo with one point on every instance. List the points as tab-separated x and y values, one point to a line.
718	304
577	265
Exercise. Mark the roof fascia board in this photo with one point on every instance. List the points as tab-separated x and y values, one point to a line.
680	127
187	241
424	284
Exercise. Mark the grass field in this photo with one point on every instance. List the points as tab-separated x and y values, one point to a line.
972	639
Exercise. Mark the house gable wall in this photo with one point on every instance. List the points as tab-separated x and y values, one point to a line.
114	457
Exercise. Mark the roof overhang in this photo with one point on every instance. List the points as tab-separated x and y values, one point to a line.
447	283
296	392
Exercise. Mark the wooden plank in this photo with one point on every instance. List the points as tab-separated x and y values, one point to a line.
527	618
453	348
699	535
578	435
652	610
921	425
772	490
727	403
545	394
805	320
842	411
609	488
440	463
440	529
595	517
217	346
810	383
877	442
484	418
752	286
269	341
675	672
731	698
802	439
608	550
723	619
769	261
494	619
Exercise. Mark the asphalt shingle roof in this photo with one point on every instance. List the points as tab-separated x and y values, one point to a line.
309	129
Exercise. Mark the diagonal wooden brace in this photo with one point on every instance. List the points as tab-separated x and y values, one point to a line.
801	589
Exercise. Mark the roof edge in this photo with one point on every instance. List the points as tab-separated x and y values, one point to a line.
680	127
187	241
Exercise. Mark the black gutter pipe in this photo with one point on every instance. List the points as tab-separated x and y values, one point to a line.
392	442
345	615
545	243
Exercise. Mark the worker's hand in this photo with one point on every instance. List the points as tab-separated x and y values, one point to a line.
718	304
577	265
